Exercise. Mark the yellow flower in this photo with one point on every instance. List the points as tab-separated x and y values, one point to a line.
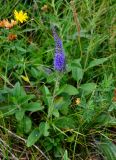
20	16
25	78
78	101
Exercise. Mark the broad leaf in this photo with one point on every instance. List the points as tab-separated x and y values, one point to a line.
8	110
97	62
65	122
77	71
62	103
25	125
25	99
69	89
18	91
33	107
106	120
88	88
108	149
44	127
55	112
33	137
19	114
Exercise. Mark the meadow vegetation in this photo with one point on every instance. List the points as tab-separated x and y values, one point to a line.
57	79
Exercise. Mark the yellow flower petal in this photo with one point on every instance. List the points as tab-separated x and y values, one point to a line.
20	16
25	78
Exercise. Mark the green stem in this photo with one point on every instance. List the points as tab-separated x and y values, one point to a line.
51	107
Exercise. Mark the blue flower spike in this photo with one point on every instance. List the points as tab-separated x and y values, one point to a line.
59	57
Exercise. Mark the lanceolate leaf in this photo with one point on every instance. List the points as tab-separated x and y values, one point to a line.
65	156
33	137
33	107
77	71
19	114
88	88
18	91
25	125
108	149
96	62
65	122
69	89
44	127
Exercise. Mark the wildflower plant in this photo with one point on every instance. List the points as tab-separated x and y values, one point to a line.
66	115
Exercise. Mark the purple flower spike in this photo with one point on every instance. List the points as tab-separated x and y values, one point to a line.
59	58
59	62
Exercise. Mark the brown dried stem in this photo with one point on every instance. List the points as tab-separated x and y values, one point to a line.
77	23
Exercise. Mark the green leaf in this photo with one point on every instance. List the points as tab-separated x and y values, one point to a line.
33	107
26	98
20	49
76	63
65	156
34	72
62	103
25	125
69	89
46	91
51	78
88	88
65	122
55	112
18	91
44	127
106	120
58	102
47	95
112	107
108	149
77	71
48	100
8	110
97	62
19	114
65	109
33	137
